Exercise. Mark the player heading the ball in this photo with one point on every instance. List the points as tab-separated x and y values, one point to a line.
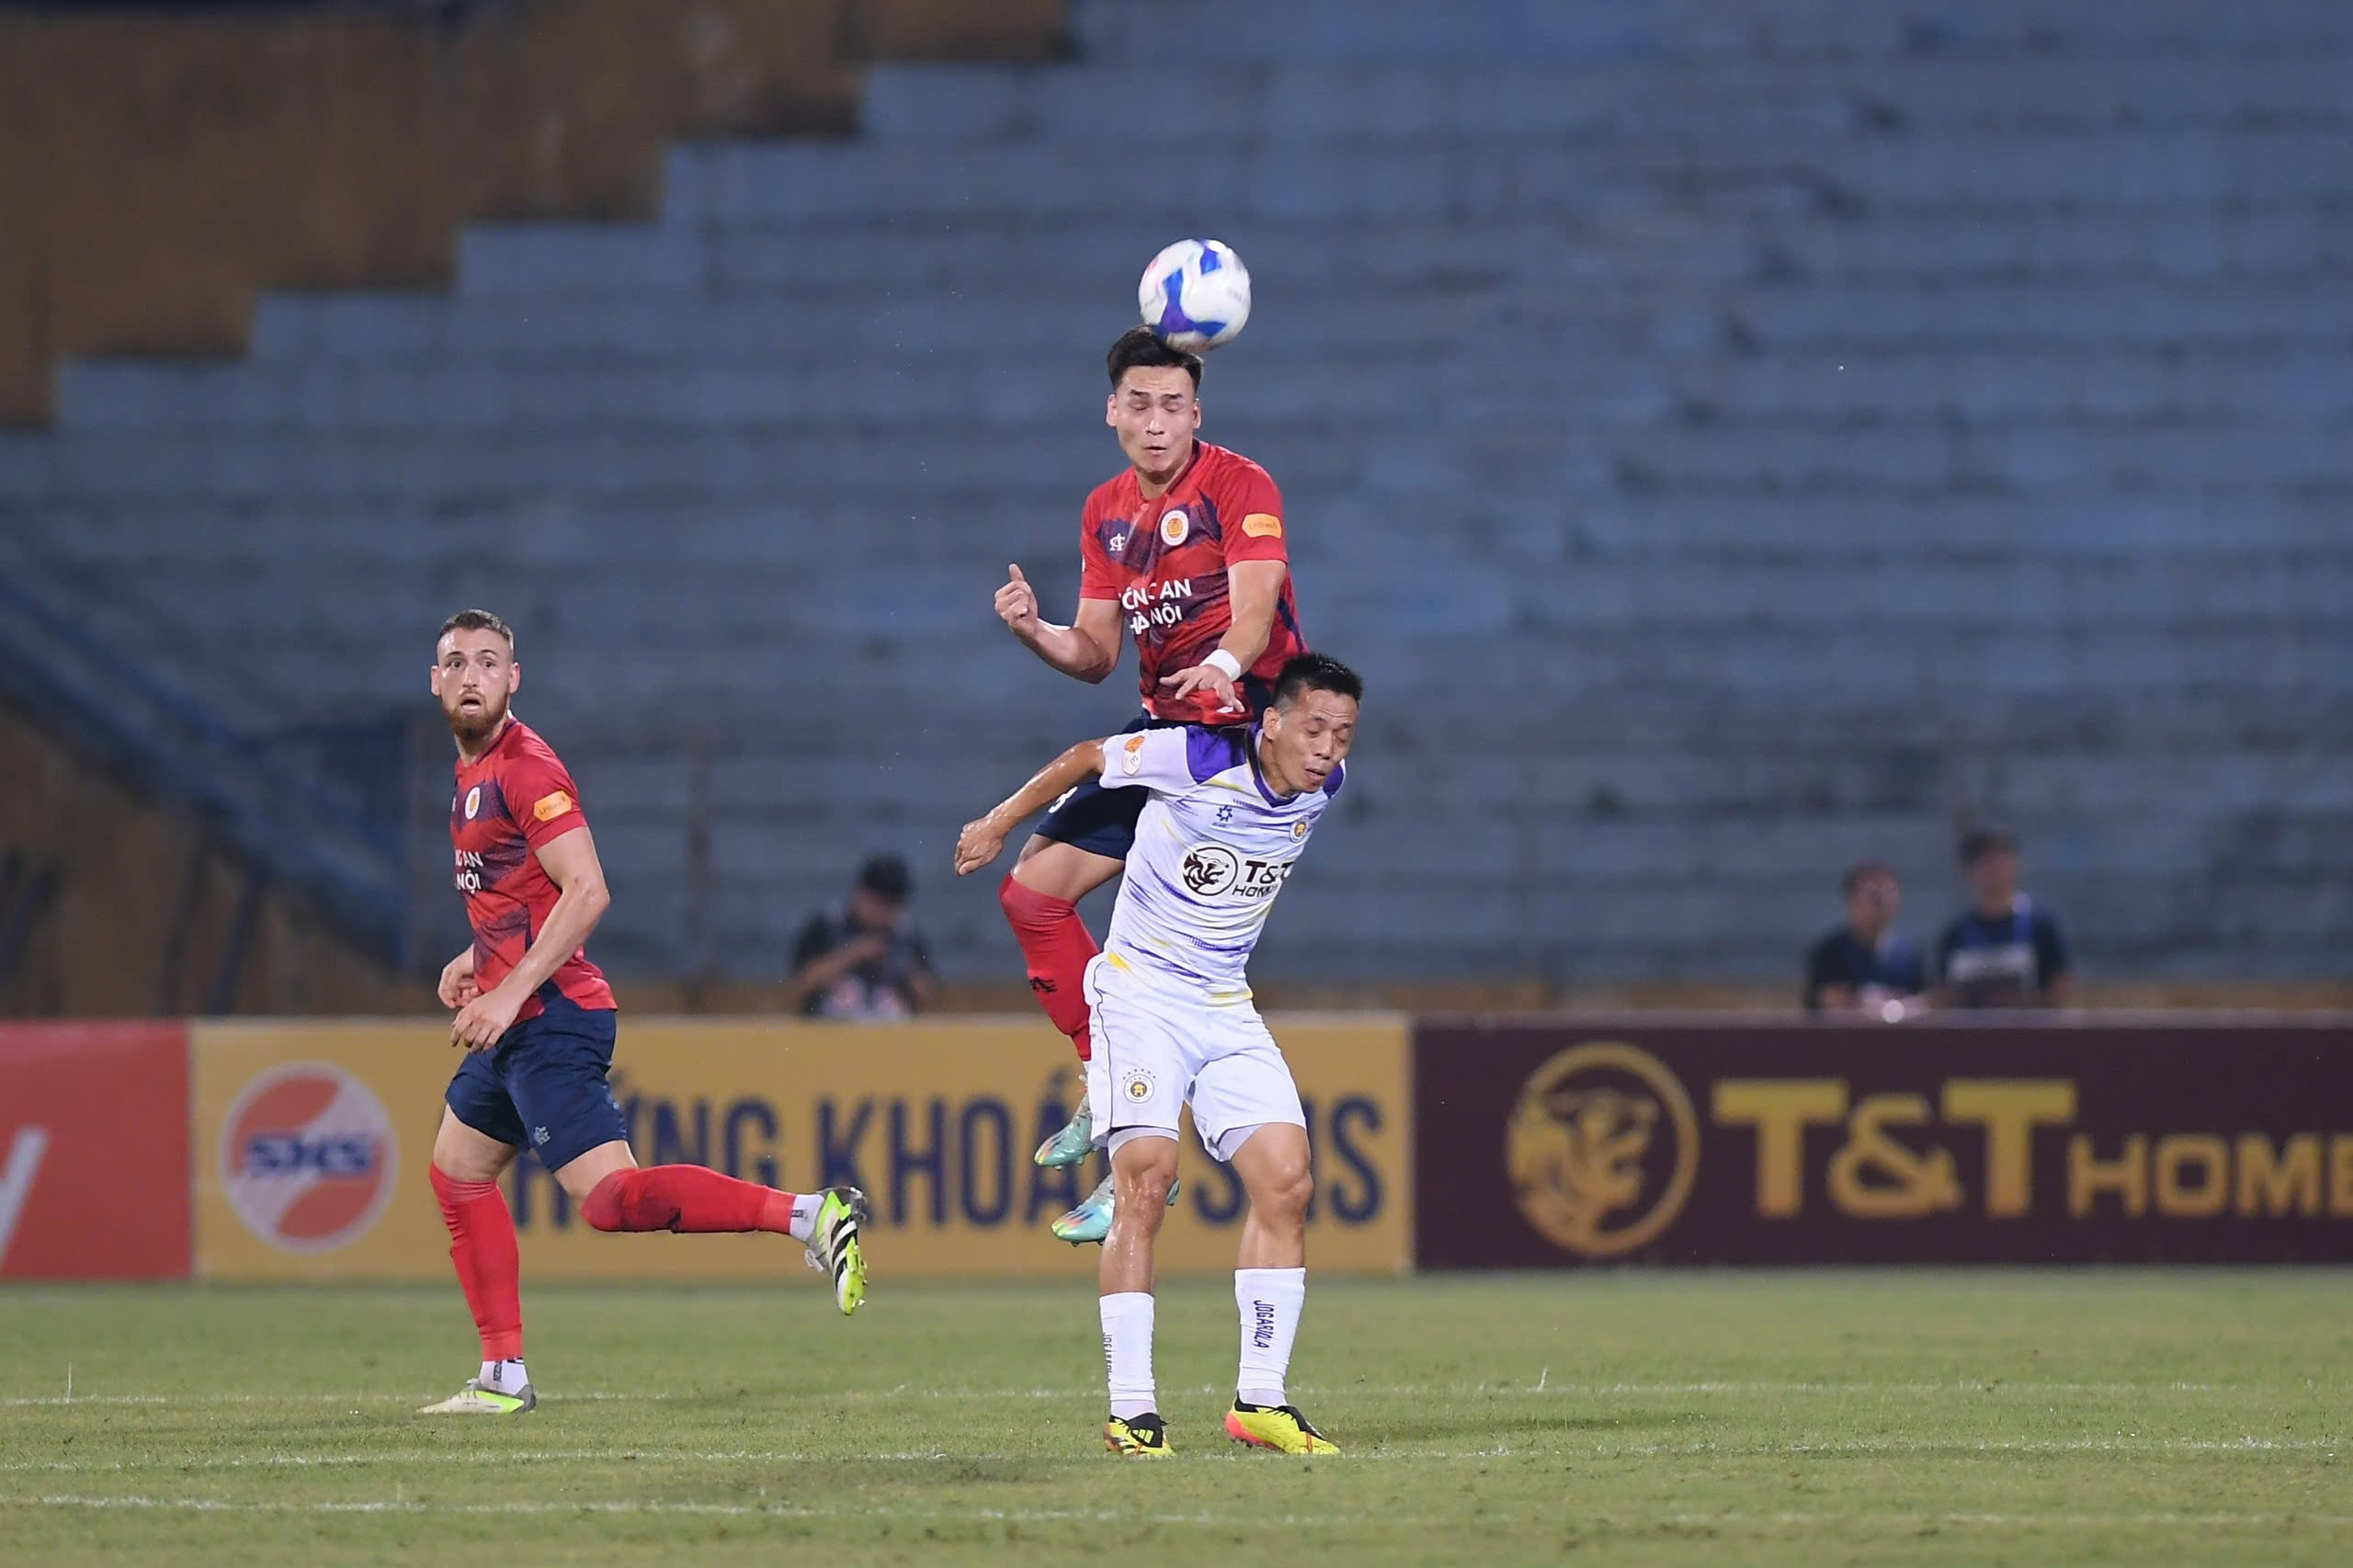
1185	551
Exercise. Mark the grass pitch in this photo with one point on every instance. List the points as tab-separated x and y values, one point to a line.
1929	1417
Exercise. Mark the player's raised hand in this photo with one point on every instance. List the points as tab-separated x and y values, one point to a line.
1017	604
980	843
484	1021
1205	677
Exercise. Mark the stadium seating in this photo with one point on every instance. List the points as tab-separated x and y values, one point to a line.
1722	473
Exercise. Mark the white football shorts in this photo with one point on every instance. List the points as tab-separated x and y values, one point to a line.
1160	1046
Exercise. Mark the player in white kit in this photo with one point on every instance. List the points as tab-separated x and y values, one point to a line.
1229	813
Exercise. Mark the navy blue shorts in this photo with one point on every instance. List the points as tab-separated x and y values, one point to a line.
1100	821
544	1087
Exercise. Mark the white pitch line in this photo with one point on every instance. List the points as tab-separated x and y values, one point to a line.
373	1396
726	1510
1971	1388
491	1458
496	1458
1963	1445
1604	1518
2019	1521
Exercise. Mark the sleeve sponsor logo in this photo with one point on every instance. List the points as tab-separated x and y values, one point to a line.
1132	762
552	806
1263	525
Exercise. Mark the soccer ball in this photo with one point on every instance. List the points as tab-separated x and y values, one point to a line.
1196	294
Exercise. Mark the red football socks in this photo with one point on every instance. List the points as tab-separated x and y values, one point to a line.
686	1197
481	1245
1057	945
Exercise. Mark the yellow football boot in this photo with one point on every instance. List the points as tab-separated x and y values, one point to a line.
1136	1436
1278	1427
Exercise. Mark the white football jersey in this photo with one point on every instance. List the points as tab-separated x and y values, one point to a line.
1213	850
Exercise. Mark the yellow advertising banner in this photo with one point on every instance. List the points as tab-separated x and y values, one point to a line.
312	1140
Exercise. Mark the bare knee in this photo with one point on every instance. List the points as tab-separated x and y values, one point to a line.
461	1153
1283	1194
1147	1189
1140	1185
582	1176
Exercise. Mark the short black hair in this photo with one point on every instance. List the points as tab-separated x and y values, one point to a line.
1978	842
1141	348
476	620
1303	673
1862	871
885	876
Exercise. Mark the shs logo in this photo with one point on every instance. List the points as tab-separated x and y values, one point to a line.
1602	1149
308	1157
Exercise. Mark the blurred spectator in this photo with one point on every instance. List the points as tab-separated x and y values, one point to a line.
2004	952
869	962
1866	966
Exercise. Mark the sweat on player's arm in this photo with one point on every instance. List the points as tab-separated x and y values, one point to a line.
983	839
1088	649
1256	587
570	860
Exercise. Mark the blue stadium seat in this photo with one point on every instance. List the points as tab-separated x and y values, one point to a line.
1733	440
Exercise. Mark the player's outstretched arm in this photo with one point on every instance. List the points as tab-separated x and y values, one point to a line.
572	865
1088	649
983	839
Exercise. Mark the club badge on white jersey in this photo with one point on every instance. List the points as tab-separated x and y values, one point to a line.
1213	849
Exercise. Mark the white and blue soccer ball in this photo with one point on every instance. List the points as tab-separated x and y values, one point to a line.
1196	294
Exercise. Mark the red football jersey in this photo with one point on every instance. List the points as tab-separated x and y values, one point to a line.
513	800
1164	561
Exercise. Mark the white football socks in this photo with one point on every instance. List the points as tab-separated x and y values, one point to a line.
1127	1352
1270	1301
804	1215
505	1377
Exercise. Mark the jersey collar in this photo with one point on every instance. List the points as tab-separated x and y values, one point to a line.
1200	450
505	736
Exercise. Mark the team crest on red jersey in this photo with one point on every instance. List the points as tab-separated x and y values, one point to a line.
1164	561
517	798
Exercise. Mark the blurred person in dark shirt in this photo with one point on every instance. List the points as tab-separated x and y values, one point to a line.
1866	967
2003	951
867	962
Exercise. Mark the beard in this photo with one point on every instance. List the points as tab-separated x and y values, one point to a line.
468	728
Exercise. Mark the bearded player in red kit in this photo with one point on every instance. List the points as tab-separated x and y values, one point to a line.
1185	551
536	1021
